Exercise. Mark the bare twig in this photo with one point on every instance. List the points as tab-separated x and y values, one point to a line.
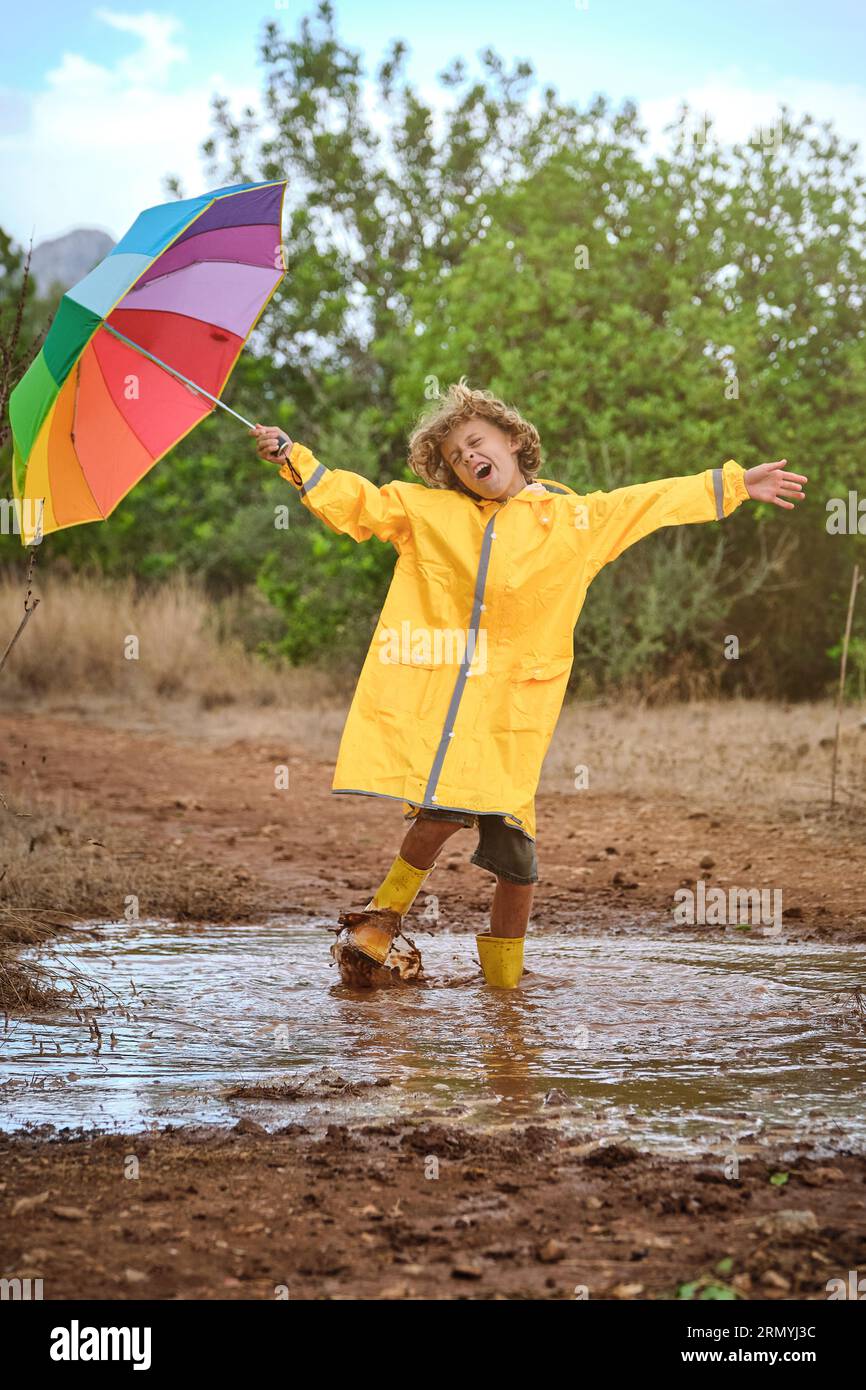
30	606
855	580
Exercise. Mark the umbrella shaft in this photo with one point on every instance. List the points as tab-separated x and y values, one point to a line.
180	376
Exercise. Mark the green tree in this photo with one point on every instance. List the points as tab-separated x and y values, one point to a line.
652	314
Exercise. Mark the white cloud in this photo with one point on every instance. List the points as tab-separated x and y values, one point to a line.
738	109
93	147
158	52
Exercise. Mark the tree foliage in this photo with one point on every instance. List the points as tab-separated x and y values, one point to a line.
651	313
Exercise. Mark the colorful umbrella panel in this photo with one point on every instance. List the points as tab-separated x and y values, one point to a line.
186	284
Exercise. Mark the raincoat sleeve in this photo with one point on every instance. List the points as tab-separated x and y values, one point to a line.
615	520
348	503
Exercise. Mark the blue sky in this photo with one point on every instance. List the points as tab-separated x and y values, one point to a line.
98	103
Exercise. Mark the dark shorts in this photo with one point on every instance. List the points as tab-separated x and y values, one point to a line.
502	849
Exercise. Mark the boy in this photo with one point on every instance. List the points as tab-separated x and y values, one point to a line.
465	677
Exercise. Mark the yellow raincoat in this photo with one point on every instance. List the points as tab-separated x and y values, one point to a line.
465	677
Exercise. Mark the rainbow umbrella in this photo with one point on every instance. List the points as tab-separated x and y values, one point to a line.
139	351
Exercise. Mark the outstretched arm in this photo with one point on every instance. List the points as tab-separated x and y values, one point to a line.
346	502
615	520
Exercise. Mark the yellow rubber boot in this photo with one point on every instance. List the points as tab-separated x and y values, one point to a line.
396	893
501	959
400	887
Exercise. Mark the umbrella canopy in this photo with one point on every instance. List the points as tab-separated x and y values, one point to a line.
97	408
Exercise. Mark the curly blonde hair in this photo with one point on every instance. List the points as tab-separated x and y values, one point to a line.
458	404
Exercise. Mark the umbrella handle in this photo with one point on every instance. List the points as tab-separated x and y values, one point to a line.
284	440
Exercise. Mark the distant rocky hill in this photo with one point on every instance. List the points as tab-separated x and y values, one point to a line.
66	259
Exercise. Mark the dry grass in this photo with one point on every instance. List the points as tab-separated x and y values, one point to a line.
51	867
715	753
30	986
27	988
52	861
94	637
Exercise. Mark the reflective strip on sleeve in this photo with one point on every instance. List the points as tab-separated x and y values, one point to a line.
315	477
719	489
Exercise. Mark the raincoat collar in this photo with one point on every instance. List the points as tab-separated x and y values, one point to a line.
541	489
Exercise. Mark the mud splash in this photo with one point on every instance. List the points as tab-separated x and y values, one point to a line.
661	1041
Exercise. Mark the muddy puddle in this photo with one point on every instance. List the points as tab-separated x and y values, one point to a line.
664	1042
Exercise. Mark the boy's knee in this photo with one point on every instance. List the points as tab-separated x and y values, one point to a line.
428	833
438	830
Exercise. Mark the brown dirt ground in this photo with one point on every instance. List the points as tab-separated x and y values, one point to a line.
519	1214
525	1215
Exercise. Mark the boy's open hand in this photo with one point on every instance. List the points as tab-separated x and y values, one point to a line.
272	444
769	483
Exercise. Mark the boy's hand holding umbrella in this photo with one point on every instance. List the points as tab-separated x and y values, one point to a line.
272	445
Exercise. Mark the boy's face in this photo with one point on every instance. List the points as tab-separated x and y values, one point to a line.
484	458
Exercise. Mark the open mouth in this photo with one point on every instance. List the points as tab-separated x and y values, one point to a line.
483	470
